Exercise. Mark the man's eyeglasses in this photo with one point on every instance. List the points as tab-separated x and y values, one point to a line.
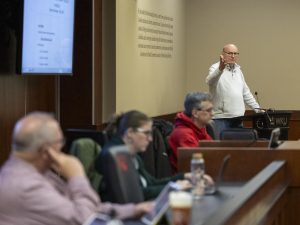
232	53
209	110
148	133
61	141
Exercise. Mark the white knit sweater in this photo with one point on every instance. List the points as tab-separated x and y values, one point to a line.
229	92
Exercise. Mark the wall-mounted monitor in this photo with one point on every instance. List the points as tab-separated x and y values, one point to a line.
47	37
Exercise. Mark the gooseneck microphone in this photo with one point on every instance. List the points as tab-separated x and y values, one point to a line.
256	96
266	111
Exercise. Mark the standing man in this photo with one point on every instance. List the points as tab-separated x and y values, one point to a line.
229	90
190	125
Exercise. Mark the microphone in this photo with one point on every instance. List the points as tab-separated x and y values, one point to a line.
222	168
256	96
265	111
213	189
269	118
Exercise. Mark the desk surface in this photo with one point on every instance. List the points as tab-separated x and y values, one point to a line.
206	206
290	145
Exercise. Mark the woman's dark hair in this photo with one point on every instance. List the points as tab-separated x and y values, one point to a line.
131	119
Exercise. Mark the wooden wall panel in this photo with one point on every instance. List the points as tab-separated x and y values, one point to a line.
41	93
97	61
294	131
18	96
70	98
12	98
81	94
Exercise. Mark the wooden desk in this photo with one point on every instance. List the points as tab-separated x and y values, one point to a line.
289	145
235	143
245	163
252	203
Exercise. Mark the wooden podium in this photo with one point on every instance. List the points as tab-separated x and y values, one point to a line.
265	122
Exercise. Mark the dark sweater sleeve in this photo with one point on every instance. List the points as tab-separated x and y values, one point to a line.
154	186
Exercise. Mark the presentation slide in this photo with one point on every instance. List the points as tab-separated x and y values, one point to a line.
47	45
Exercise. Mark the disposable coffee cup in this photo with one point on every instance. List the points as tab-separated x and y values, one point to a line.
181	206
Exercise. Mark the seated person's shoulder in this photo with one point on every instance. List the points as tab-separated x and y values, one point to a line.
185	137
104	155
182	131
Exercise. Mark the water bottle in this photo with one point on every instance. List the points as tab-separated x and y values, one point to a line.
197	172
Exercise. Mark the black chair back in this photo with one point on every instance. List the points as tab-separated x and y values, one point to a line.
239	134
122	177
210	129
73	134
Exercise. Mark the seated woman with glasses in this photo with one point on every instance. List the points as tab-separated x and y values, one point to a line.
134	129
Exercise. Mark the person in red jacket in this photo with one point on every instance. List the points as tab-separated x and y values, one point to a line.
190	125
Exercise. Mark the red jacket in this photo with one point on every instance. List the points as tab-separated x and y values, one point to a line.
185	134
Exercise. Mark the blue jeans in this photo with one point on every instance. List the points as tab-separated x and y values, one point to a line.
228	123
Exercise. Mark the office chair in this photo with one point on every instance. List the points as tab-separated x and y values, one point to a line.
239	134
210	129
87	150
155	158
73	134
122	178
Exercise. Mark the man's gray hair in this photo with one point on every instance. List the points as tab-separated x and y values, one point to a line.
193	100
32	131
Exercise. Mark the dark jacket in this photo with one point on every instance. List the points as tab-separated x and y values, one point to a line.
153	187
155	158
86	150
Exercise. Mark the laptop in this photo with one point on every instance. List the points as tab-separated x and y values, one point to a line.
161	205
274	139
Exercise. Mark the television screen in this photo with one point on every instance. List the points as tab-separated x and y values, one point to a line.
47	37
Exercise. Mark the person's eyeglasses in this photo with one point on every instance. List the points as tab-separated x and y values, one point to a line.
148	133
232	53
209	110
61	141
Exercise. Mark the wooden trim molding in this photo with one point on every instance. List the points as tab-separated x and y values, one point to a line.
294	131
294	124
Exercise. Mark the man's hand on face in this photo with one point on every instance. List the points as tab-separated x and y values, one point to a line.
68	166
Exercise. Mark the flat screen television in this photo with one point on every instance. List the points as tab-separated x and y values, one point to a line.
47	36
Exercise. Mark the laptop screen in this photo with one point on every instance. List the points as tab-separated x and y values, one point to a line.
274	139
97	219
161	205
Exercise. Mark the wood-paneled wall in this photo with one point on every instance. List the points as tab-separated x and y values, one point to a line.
81	94
69	98
18	96
76	91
